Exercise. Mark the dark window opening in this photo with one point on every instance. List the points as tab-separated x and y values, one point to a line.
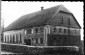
1	37
41	40
16	38
20	38
69	22
36	40
54	30
61	19
36	30
13	39
8	38
75	31
41	29
29	31
59	30
64	30
68	31
28	42
5	38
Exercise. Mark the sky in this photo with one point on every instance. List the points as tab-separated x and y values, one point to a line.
10	11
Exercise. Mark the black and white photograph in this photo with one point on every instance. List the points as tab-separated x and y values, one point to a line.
42	28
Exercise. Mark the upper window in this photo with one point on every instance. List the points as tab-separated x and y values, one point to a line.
29	31
36	30
68	21
59	30
75	31
54	29
41	29
64	30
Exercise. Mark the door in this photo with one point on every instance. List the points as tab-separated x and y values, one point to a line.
28	42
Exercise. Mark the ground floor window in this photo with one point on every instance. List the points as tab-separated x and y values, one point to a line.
20	38
28	41
4	38
41	40
16	38
36	40
13	38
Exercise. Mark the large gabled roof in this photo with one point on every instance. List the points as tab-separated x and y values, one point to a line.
37	18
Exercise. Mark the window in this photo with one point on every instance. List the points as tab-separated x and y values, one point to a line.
75	31
41	40
20	38
7	38
41	29
36	40
64	30
1	38
29	31
28	41
10	38
59	30
36	30
69	31
54	29
16	38
13	39
68	21
61	19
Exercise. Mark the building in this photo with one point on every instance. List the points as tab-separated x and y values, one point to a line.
55	26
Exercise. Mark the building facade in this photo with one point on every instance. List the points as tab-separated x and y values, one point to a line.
55	26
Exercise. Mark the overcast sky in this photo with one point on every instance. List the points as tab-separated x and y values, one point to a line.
10	11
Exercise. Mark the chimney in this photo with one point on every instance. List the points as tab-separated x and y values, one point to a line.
42	8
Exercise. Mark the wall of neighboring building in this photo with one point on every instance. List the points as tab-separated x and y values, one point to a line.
14	36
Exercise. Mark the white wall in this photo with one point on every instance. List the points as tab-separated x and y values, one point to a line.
14	32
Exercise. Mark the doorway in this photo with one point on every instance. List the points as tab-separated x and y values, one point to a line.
28	41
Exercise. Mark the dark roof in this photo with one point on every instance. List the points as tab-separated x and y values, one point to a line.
37	18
